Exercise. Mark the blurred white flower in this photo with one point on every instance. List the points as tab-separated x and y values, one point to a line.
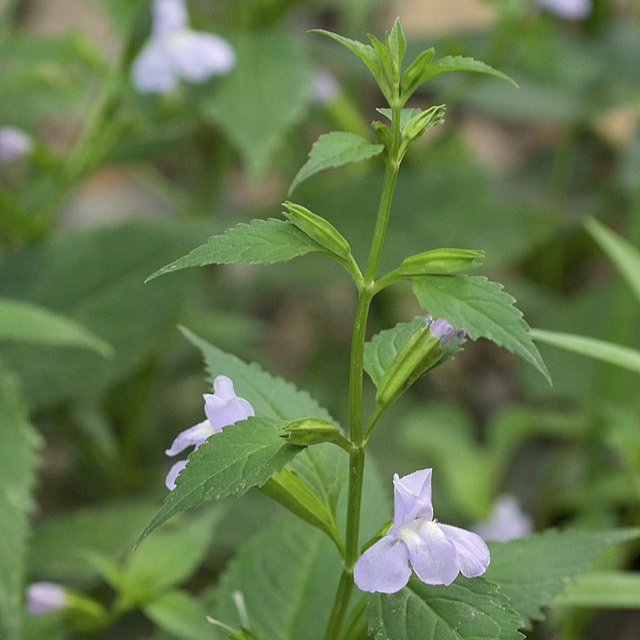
506	522
175	51
14	144
569	9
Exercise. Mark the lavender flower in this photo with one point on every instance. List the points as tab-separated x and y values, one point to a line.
45	596
222	408
443	330
174	51
568	9
437	552
325	87
14	144
506	522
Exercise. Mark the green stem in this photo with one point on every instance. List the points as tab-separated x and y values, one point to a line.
366	291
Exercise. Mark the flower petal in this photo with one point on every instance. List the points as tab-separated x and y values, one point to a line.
191	437
196	56
412	497
169	16
170	480
383	567
152	70
223	407
473	553
434	558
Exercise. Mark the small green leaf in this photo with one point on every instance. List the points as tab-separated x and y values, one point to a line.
397	43
269	395
18	445
22	321
624	255
482	309
333	150
533	571
603	589
258	242
427	69
177	613
365	52
228	464
468	609
413	73
615	354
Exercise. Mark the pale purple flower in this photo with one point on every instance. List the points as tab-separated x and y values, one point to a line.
175	51
325	87
222	408
14	144
568	9
437	552
506	522
440	328
45	596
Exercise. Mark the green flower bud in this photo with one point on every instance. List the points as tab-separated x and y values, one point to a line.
310	431
423	350
318	229
440	261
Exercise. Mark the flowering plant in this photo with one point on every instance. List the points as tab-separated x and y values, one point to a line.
334	559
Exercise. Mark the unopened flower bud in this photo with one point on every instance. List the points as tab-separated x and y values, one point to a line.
310	431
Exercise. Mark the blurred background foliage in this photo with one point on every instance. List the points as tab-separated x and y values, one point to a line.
119	183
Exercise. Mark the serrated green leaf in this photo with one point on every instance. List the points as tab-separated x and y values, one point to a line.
365	52
380	351
18	444
264	96
287	576
426	69
533	571
269	395
483	309
228	464
333	150
624	255
177	613
258	242
289	572
615	354
468	609
25	322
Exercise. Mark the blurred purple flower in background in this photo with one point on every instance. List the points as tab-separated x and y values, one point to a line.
569	9
175	51
222	408
437	552
45	596
506	522
325	87
14	144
